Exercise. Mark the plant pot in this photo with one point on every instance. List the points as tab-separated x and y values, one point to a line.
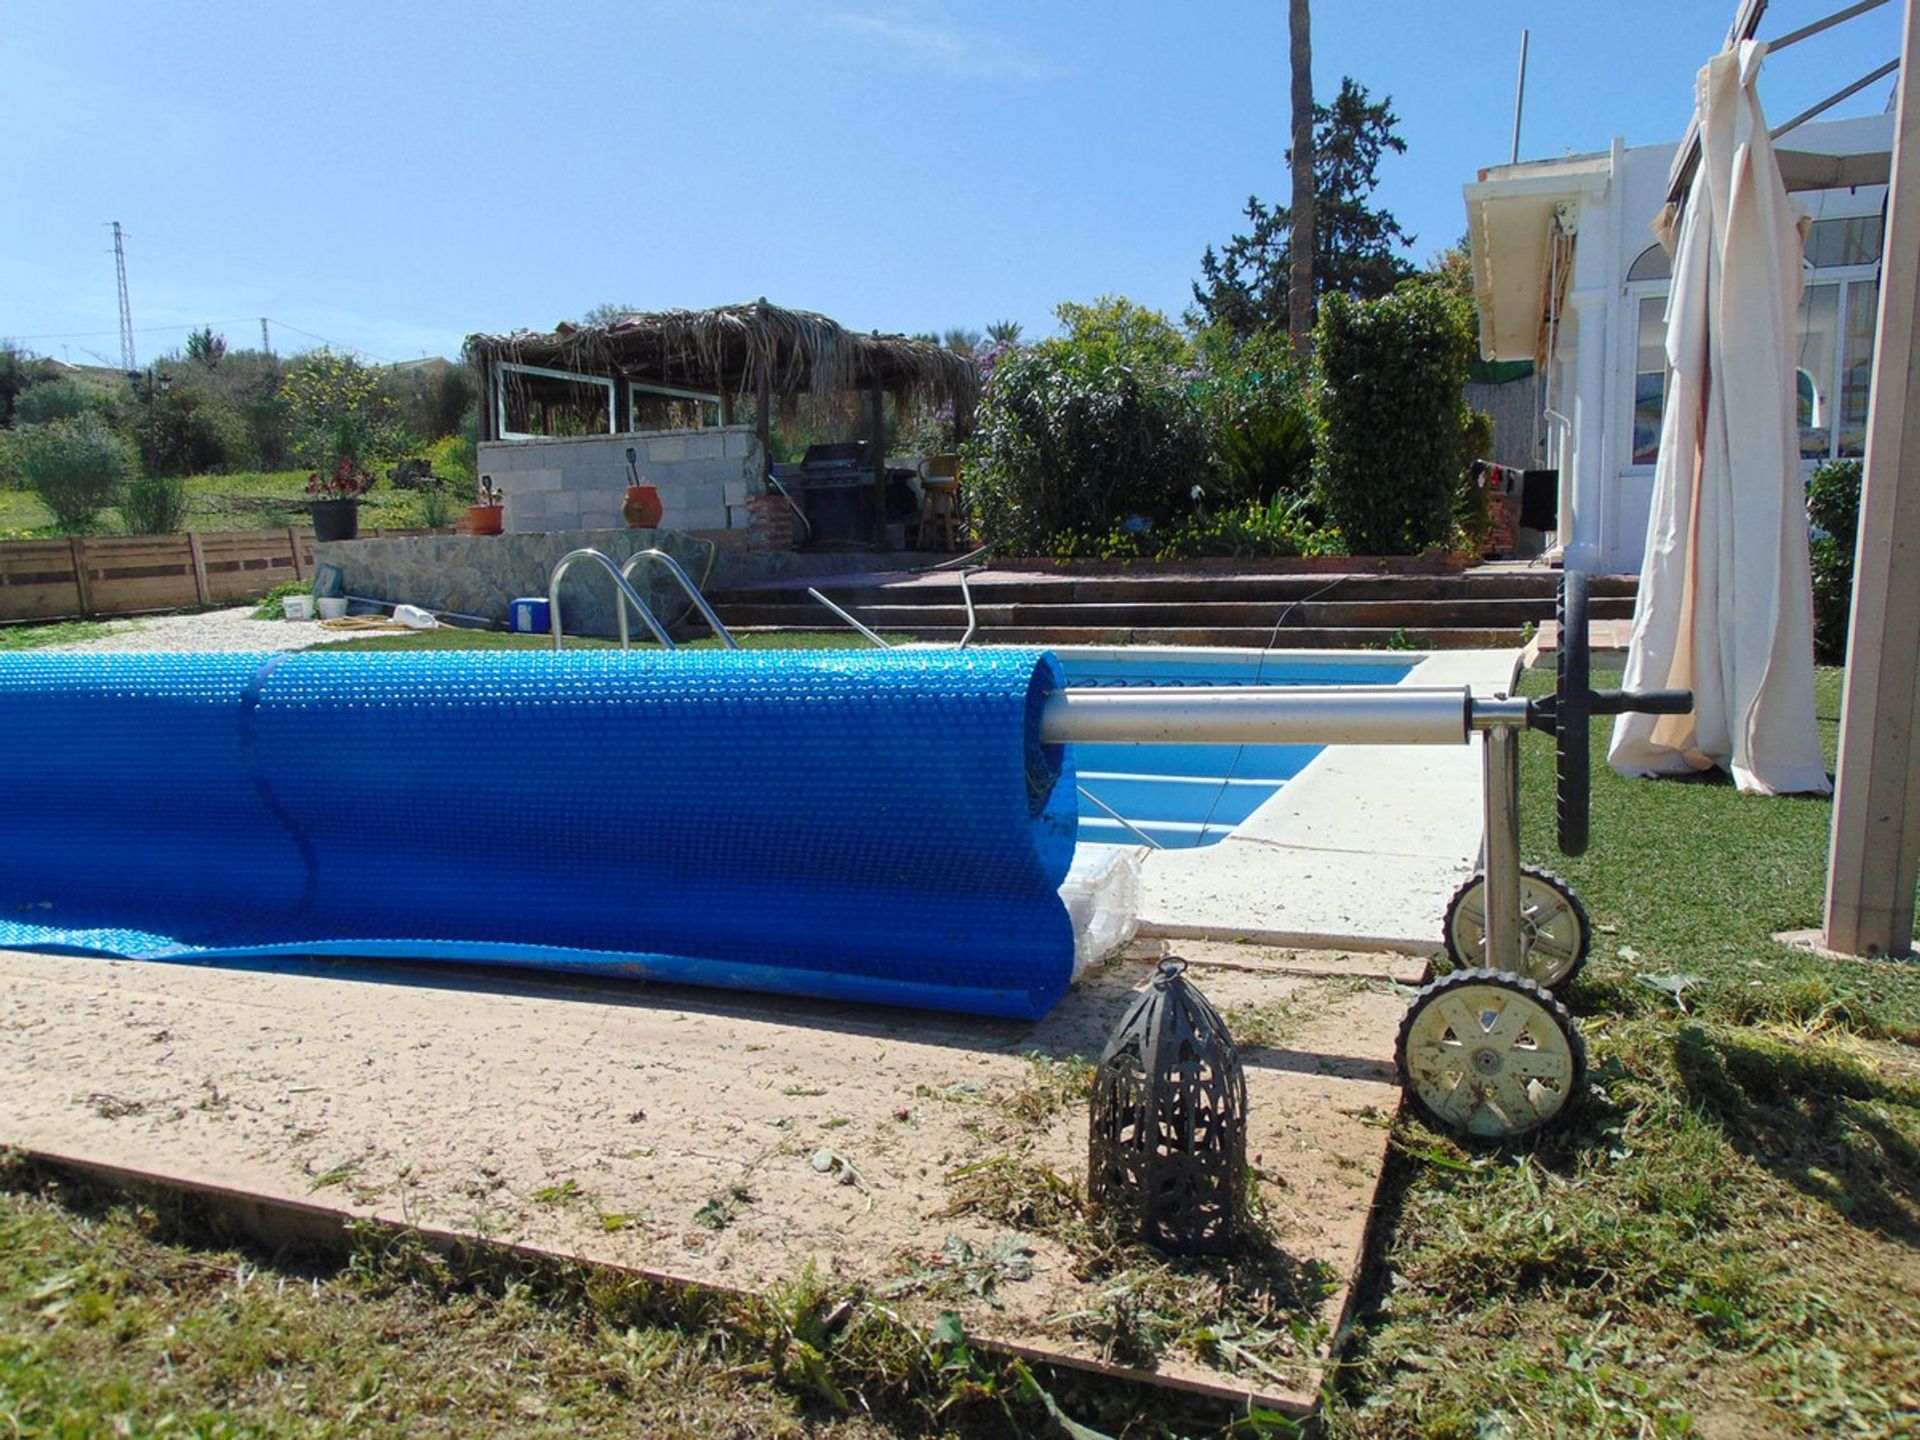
485	519
335	519
642	508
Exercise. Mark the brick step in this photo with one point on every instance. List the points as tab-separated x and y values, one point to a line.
901	610
1009	587
1372	638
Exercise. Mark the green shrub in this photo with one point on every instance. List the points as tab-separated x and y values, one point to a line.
1081	431
1259	415
1281	528
56	400
434	506
156	505
1472	503
1833	513
1389	376
76	467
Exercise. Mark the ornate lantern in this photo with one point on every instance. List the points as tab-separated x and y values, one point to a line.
1169	1134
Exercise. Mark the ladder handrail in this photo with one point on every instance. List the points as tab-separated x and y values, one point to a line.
877	640
627	594
675	569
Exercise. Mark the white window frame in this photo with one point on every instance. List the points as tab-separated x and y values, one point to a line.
1635	292
500	371
635	388
1843	278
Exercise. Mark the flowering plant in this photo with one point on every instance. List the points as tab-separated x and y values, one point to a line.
346	481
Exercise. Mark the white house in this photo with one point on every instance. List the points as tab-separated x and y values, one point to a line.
1567	273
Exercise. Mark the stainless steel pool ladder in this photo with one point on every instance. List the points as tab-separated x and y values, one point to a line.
686	583
627	596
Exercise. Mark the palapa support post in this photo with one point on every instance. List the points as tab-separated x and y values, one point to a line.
1168	1138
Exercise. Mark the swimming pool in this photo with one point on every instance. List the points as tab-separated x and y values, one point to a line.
1187	796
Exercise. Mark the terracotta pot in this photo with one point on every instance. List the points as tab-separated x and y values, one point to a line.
642	508
335	519
485	519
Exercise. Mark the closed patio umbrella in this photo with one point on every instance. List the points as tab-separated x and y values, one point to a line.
1726	604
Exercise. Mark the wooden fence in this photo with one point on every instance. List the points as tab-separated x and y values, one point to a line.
133	574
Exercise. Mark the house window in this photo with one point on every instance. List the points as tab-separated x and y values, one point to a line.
1834	355
1836	364
1649	379
534	401
1856	367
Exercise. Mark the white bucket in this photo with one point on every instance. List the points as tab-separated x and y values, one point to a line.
333	607
297	607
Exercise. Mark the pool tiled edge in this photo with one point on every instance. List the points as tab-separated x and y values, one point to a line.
1360	850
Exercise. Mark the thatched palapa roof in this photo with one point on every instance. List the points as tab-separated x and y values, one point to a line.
728	349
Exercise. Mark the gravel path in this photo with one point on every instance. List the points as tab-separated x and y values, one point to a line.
210	631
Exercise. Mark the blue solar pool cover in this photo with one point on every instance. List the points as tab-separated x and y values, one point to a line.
876	826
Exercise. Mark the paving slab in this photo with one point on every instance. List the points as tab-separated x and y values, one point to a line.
1362	849
680	1132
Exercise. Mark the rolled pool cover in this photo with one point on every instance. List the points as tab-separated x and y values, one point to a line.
873	826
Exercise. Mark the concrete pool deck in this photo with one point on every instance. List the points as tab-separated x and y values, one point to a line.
1361	850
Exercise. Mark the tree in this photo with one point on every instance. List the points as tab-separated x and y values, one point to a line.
1355	247
1004	332
607	313
206	348
338	410
1300	159
963	339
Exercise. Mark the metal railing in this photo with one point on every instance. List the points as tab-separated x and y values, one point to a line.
627	596
686	583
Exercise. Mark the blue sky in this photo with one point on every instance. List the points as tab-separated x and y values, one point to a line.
390	176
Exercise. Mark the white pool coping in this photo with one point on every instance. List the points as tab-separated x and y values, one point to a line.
1361	850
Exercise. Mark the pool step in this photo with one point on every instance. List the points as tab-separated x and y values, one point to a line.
1471	609
1290	638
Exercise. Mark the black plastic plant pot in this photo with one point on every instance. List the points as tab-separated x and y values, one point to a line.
335	519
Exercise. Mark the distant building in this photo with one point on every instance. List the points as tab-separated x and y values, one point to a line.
1567	274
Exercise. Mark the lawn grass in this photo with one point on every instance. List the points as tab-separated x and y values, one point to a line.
57	632
1722	1241
252	500
125	1317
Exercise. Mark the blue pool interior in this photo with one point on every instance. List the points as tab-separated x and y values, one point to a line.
1186	796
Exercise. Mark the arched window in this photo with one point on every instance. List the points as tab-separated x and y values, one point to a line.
1652	263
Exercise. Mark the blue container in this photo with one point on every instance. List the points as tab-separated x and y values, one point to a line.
530	616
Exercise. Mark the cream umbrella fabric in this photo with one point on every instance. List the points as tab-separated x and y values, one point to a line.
1726	601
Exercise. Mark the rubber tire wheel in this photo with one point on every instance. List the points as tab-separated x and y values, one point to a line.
1554	1011
1583	926
1572	761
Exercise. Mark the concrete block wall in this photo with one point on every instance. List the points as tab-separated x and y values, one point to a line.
705	478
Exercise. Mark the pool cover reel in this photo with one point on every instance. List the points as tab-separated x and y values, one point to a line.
863	826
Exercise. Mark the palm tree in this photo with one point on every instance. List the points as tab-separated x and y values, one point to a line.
1300	212
1004	332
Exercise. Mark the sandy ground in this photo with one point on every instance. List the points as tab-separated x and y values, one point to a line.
208	632
697	1134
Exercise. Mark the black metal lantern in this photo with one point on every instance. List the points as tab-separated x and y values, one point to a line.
1169	1134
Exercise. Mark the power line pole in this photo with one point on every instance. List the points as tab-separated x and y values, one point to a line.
127	361
265	343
